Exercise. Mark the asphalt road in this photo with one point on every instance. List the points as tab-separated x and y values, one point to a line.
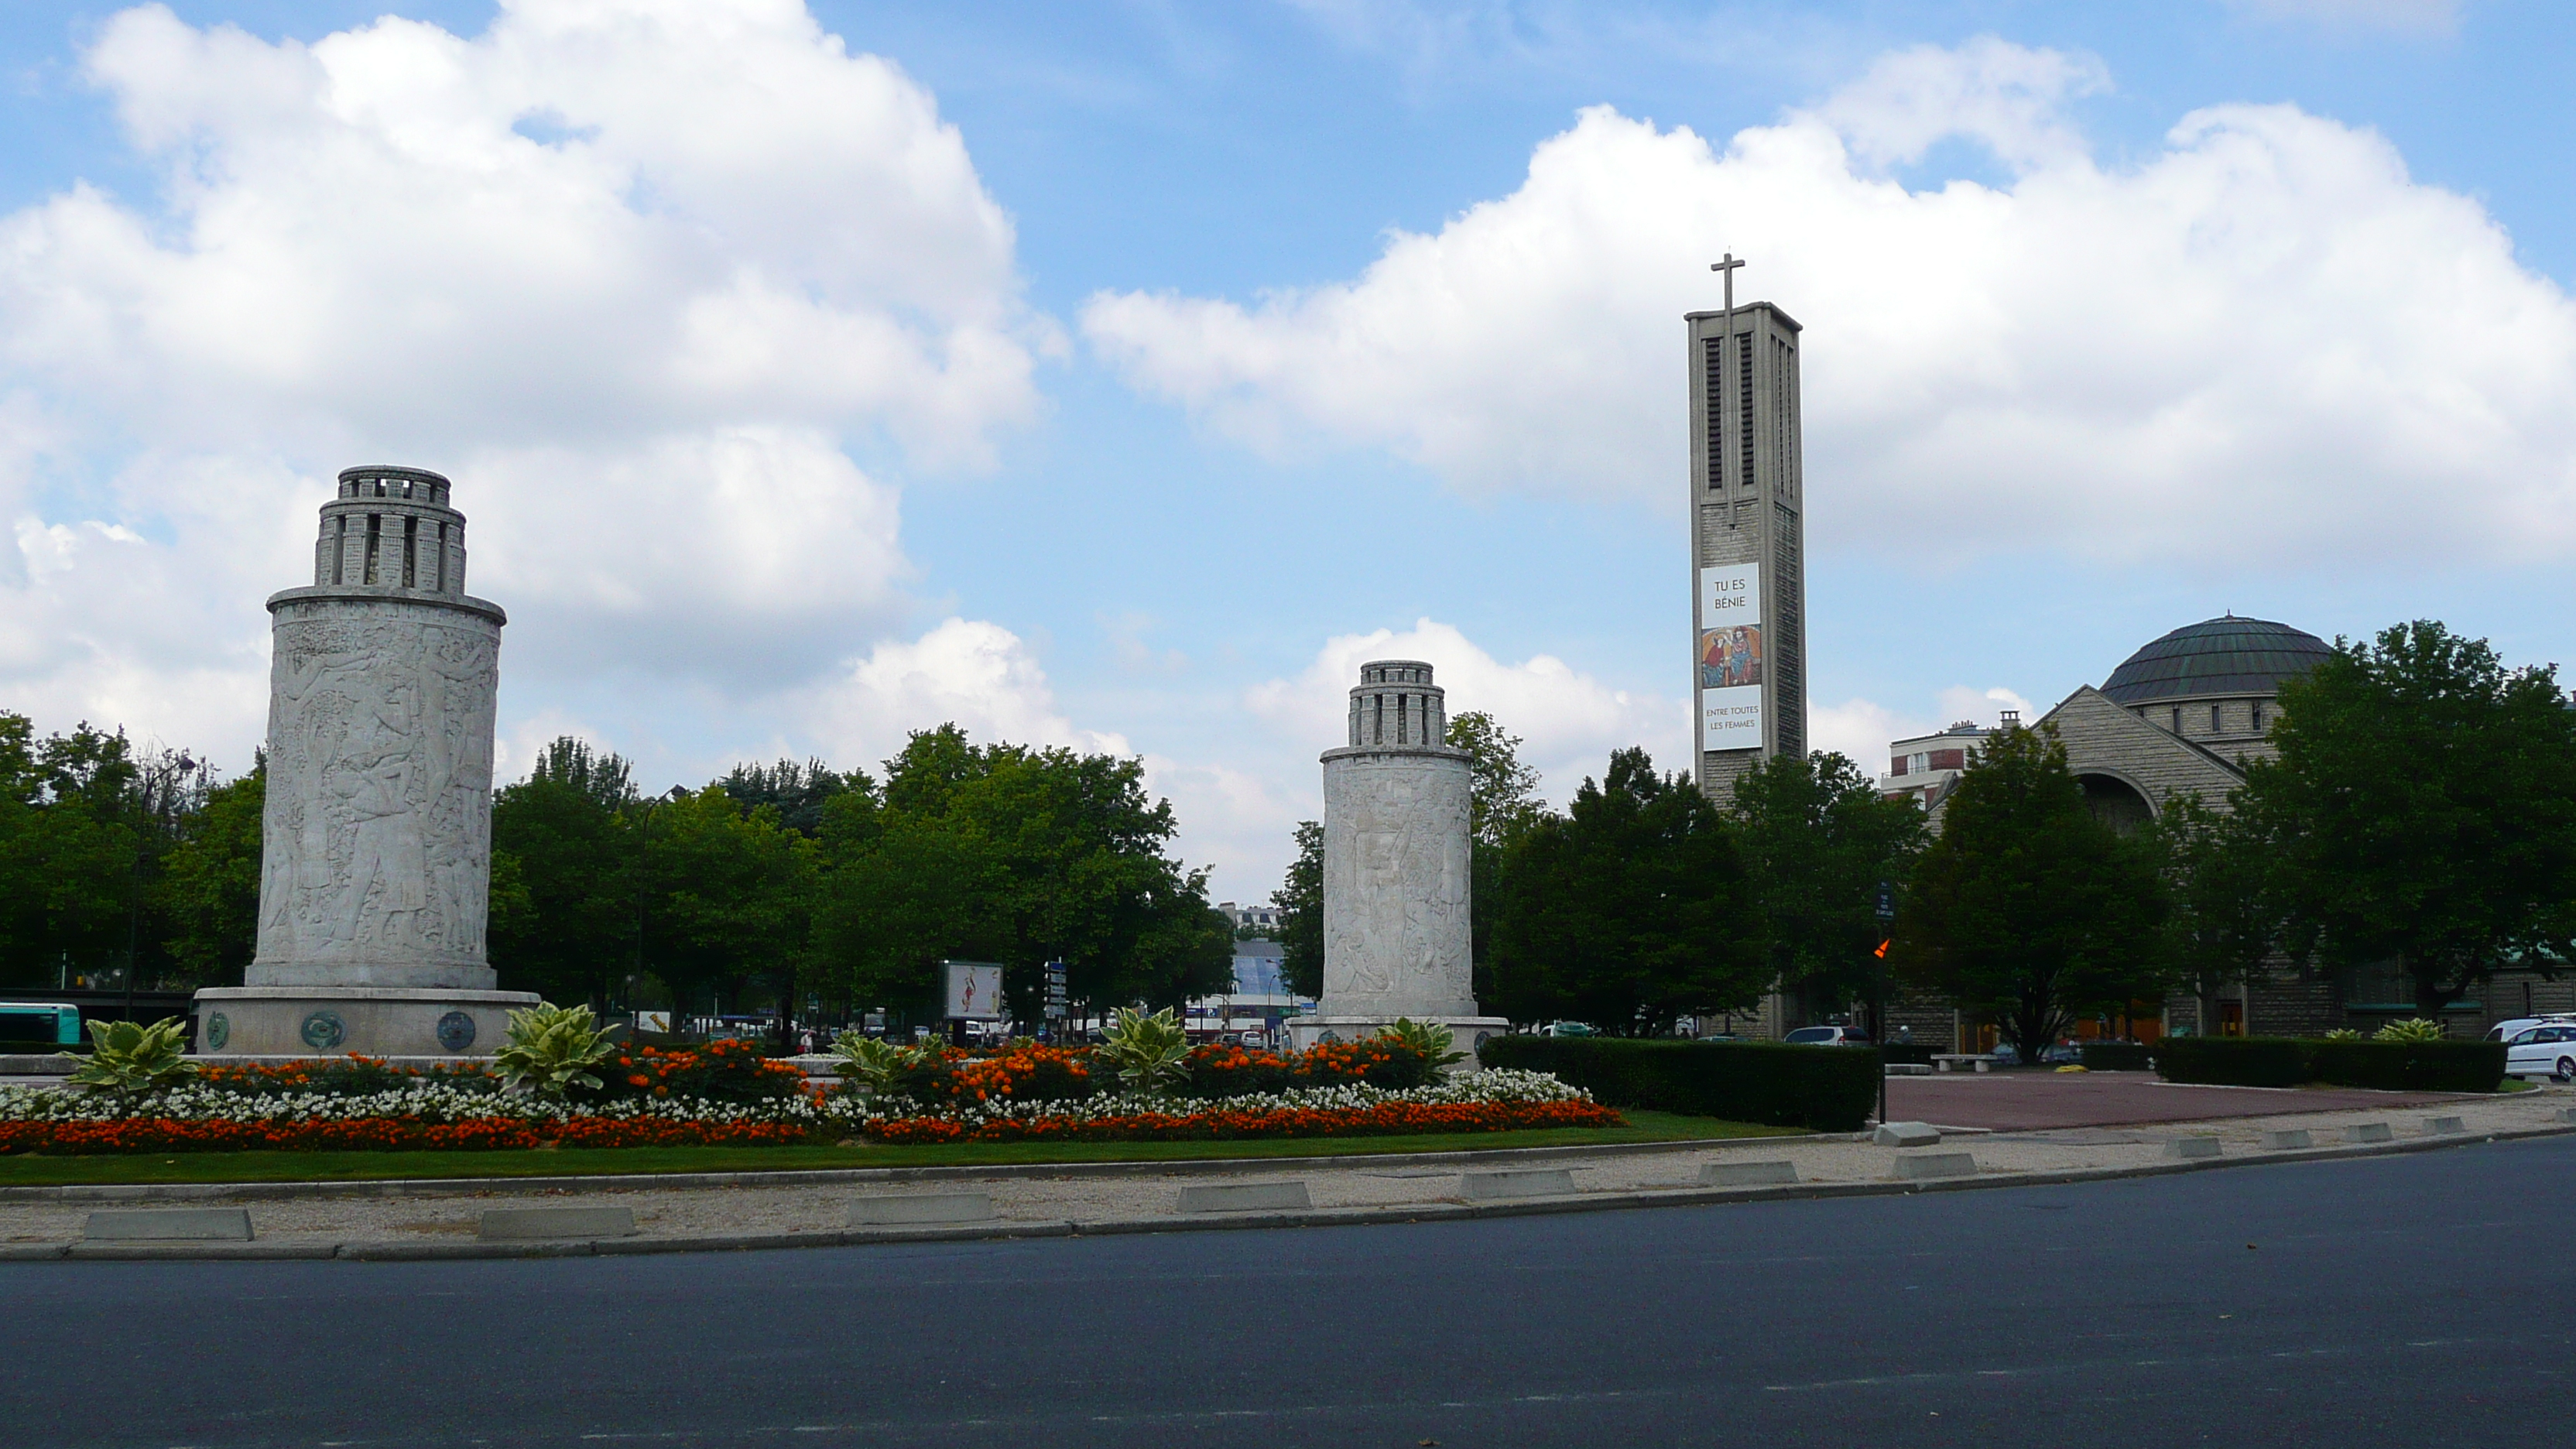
2416	1300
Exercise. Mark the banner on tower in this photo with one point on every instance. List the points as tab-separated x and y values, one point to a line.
1730	657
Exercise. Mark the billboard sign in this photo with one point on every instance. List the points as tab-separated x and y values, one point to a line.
974	990
1730	657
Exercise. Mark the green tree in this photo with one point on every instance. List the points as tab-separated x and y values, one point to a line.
2224	919
2422	812
564	900
1065	853
210	884
1820	844
797	792
1300	899
70	852
1502	801
727	895
1629	911
2027	907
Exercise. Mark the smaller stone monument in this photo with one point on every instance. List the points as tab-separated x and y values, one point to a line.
1397	941
376	837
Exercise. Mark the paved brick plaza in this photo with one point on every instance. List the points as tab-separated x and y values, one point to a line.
2023	1101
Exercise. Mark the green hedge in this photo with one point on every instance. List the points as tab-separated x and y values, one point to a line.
1827	1089
2117	1056
2409	1066
2432	1066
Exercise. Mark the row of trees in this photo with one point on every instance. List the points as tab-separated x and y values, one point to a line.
1643	901
2419	818
774	883
120	865
799	880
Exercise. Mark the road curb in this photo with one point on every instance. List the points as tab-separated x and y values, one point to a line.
836	1176
1375	1215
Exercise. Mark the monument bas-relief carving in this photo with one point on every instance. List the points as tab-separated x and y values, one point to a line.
378	821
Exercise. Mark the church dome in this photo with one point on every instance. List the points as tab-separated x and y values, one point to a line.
2216	656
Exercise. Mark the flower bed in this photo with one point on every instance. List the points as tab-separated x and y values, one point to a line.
726	1094
1486	1102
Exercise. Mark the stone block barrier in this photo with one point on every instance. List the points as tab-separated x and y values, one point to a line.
1525	1182
1907	1134
2290	1140
2443	1126
2369	1132
524	1224
2191	1148
1240	1197
907	1209
169	1225
1925	1166
1747	1174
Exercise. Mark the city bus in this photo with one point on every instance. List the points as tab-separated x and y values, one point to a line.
31	1025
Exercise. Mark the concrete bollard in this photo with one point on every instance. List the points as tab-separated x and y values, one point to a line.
2368	1132
170	1225
2296	1137
1922	1166
524	1224
2444	1126
2192	1147
1906	1134
1518	1182
1237	1197
1747	1174
897	1210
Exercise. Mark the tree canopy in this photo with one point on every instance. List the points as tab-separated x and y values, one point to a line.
2027	906
1629	911
1820	846
2422	812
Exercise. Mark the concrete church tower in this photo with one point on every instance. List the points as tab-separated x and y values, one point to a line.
377	835
1396	868
1748	542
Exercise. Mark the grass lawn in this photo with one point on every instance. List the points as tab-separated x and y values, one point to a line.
22	1170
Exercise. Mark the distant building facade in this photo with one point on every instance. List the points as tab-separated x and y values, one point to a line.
1250	918
2184	715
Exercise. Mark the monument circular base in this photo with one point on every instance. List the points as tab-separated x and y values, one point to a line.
1466	1032
330	1021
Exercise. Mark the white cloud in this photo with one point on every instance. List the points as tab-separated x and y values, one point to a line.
1983	706
2265	342
976	675
636	273
2404	17
1858	730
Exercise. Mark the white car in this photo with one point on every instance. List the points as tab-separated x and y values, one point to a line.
1827	1036
2507	1030
2547	1050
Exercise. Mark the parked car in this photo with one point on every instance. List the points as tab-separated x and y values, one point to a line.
1566	1028
1827	1036
2508	1030
2547	1050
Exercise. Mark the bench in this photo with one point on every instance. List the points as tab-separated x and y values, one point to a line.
1949	1061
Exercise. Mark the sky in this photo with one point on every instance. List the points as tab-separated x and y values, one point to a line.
1121	376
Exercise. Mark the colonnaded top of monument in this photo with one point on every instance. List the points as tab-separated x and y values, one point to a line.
1395	703
391	528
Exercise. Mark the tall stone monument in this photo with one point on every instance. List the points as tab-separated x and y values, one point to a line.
1748	541
1396	877
376	862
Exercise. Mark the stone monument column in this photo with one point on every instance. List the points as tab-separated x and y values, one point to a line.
1397	941
376	841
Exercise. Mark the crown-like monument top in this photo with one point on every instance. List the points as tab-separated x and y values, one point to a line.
391	528
1395	703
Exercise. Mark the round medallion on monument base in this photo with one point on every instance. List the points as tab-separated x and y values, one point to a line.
323	1030
456	1031
218	1031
